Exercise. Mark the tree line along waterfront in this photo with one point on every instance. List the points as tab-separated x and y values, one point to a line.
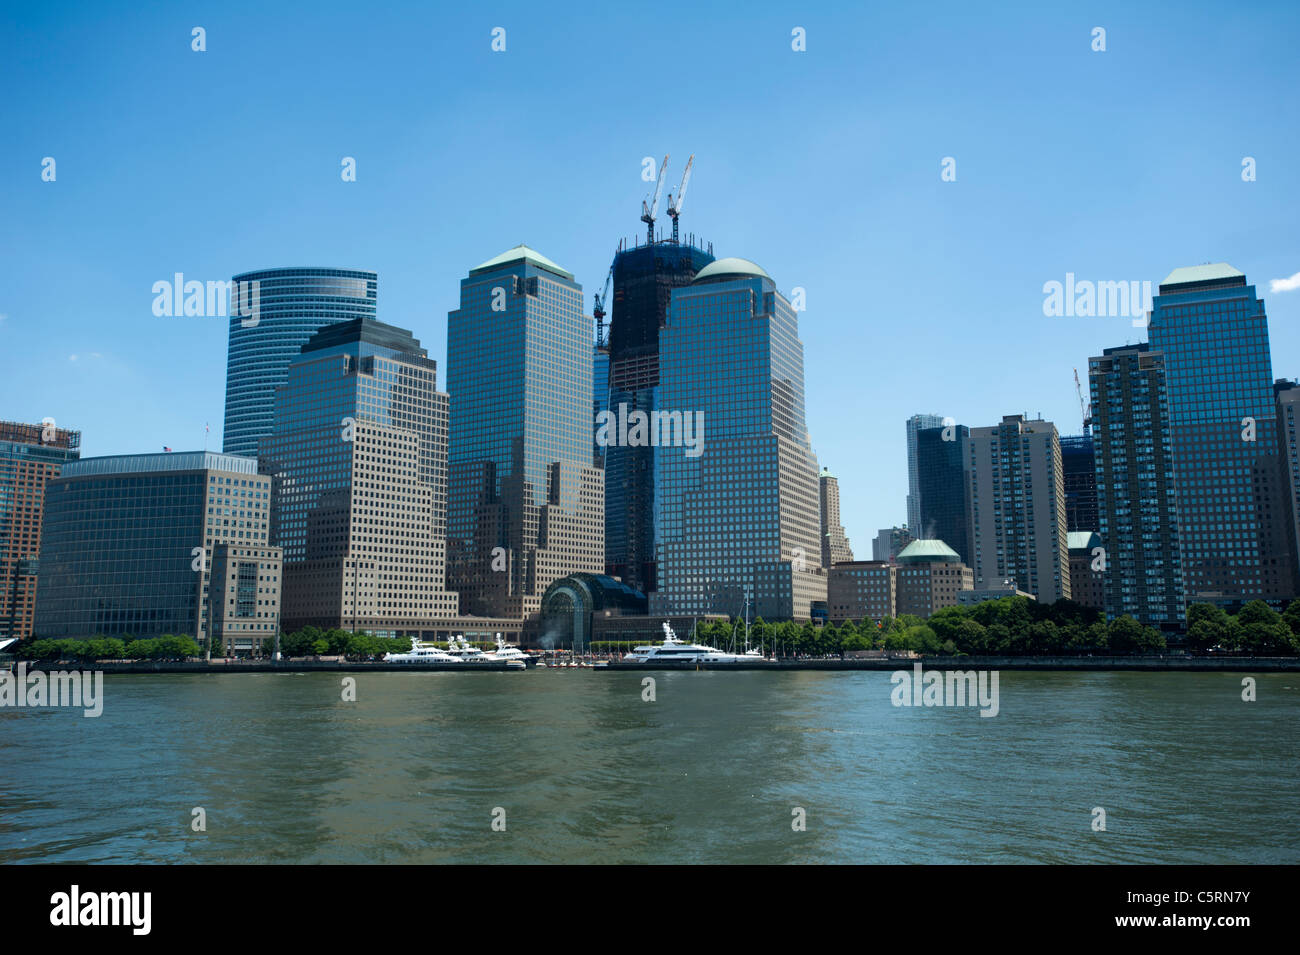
307	642
1015	626
1011	626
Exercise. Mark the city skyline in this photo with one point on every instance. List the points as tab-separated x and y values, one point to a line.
953	266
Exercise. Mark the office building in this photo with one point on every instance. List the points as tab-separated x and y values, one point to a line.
644	277
889	542
526	505
244	590
930	575
31	455
862	590
1087	580
1287	394
1080	479
941	487
1234	514
835	545
916	424
129	541
291	306
1138	509
970	598
737	492
358	455
1017	508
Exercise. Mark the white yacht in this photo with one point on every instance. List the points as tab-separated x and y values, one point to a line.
467	656
504	652
458	648
421	654
674	649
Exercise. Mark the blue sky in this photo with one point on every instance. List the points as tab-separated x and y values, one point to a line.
823	166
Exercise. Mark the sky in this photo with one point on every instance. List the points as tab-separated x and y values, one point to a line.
823	165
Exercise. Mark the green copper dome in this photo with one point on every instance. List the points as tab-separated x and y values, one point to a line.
730	268
521	253
928	552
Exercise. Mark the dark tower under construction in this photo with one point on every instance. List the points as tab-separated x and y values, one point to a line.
644	276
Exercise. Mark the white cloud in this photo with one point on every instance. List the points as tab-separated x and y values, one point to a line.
89	355
1285	285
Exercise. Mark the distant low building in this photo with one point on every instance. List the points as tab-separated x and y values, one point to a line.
245	593
889	542
862	590
969	598
31	456
930	576
1087	585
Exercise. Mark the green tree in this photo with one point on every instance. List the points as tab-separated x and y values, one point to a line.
854	642
1125	635
921	638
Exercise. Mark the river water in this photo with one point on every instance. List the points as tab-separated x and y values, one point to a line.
578	767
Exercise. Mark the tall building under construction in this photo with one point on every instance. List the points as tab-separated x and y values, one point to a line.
644	276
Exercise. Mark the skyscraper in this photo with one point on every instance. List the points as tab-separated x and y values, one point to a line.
292	305
1288	410
644	278
358	456
889	542
941	487
737	508
31	455
129	544
1141	574
526	504
1080	479
1234	516
835	546
914	425
1017	508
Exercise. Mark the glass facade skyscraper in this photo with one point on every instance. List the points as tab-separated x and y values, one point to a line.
940	492
738	513
1234	516
526	506
359	462
293	304
1136	502
129	542
644	279
1079	472
914	425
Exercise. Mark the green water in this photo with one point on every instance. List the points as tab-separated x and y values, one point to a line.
711	771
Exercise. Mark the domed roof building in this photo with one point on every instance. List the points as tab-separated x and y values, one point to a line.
571	602
928	552
730	268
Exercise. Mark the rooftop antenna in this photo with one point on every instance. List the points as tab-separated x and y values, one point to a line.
675	205
649	212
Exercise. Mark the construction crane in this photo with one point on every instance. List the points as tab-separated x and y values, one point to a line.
599	309
649	212
1085	408
675	205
